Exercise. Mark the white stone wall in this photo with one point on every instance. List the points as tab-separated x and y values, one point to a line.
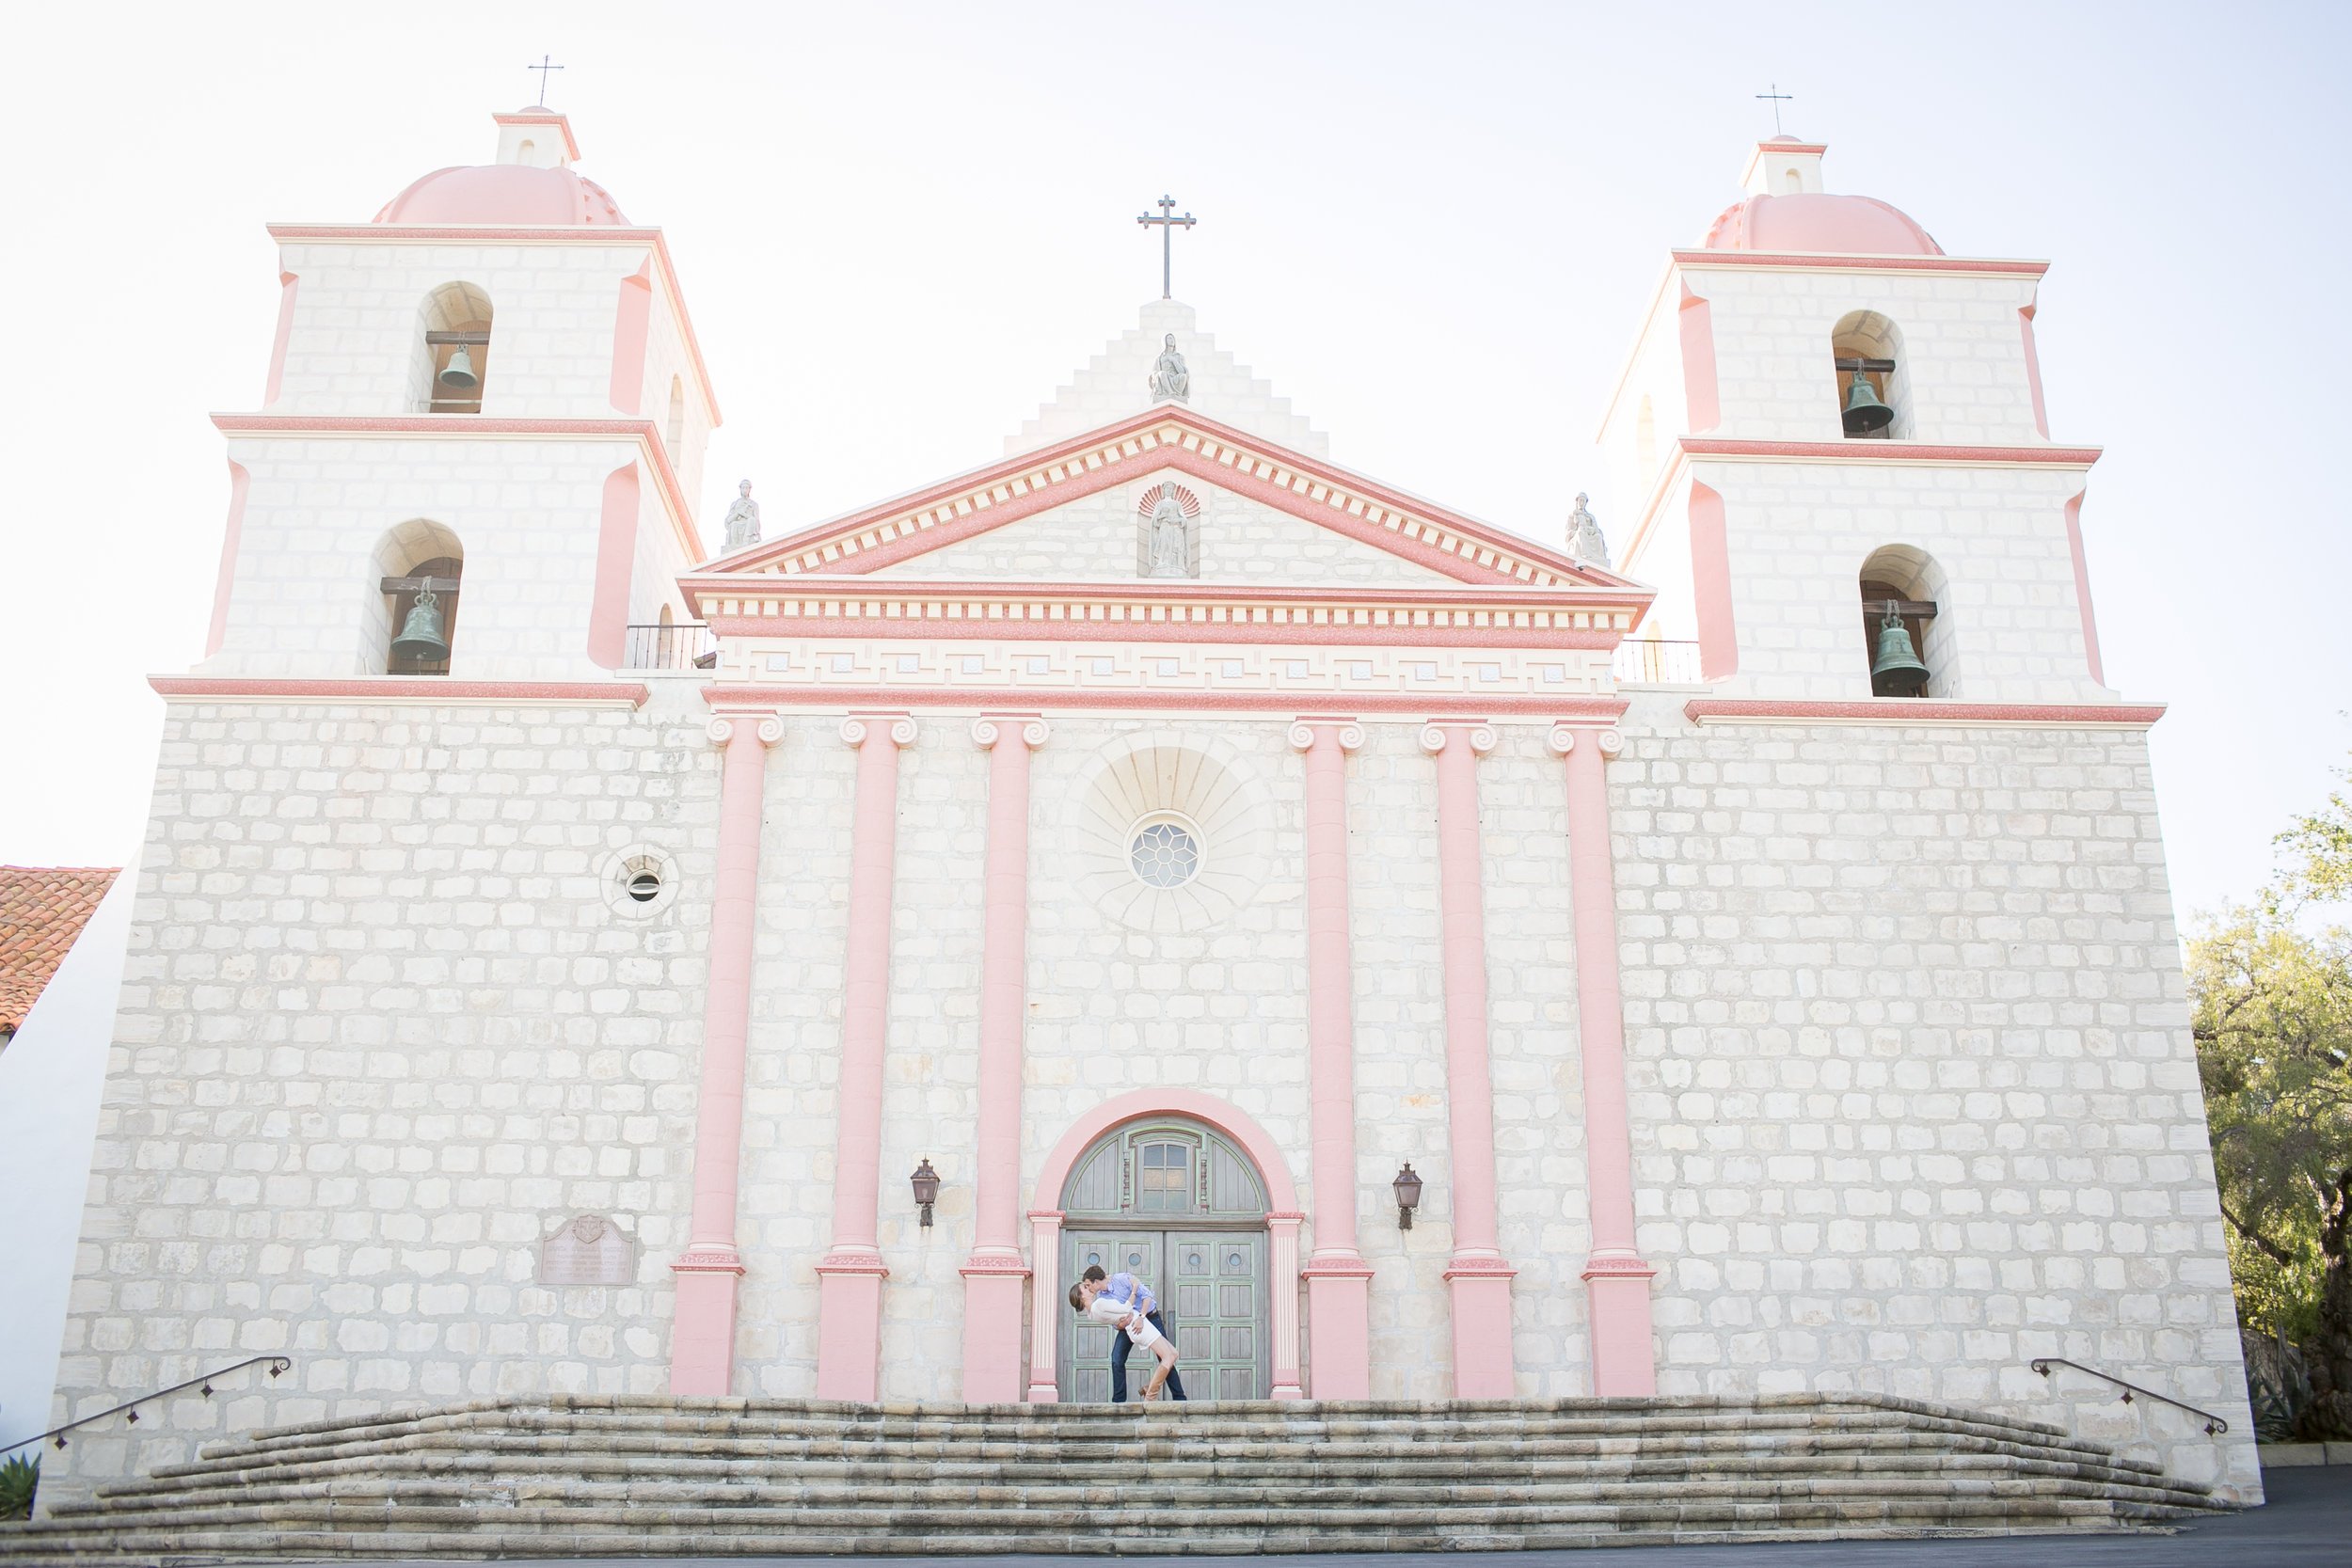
383	1027
1240	540
2009	625
1964	347
305	600
1117	383
359	313
1914	1098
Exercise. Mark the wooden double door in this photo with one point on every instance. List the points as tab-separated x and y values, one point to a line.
1212	1286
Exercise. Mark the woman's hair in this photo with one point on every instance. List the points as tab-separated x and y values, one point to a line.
1077	1298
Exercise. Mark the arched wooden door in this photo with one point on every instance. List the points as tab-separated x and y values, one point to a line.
1176	1204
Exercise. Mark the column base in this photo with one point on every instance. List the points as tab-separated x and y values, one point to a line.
993	1288
848	1327
1339	1327
701	1332
1625	1354
1481	1291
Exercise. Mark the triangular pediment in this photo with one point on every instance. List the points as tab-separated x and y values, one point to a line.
1357	528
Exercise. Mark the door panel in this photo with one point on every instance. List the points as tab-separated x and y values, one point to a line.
1221	1296
1086	1343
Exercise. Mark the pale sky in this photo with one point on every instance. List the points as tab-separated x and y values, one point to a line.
1434	227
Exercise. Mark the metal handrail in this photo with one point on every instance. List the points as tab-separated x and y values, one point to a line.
277	1364
2214	1425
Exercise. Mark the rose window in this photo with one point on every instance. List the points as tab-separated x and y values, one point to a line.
1163	855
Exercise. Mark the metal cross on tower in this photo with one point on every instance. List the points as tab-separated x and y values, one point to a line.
1169	223
543	68
1778	98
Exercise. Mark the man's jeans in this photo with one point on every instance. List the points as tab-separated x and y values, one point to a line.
1121	1345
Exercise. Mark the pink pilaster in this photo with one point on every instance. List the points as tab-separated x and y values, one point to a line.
1477	1274
1282	1233
702	1339
1624	1358
850	1276
1044	1327
993	1275
1337	1278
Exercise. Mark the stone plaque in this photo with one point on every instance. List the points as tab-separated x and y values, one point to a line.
588	1249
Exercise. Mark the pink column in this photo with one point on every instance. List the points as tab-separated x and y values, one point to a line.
702	1339
848	1284
1624	1358
1337	1278
1478	1274
993	1275
1044	1327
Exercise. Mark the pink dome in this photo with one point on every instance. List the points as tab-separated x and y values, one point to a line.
1818	224
503	193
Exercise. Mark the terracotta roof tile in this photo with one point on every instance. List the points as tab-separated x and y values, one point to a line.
43	909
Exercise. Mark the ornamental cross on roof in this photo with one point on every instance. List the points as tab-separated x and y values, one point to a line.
543	68
1169	222
1777	99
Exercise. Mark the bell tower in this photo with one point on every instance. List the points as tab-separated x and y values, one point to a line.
1828	421
481	437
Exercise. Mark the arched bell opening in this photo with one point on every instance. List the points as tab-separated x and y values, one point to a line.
451	364
675	431
412	621
1873	382
1906	635
1184	1207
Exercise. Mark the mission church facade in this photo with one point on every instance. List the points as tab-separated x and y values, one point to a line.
562	959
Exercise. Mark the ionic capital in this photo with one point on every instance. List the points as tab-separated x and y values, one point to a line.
721	728
1607	741
1479	738
1347	732
898	728
990	727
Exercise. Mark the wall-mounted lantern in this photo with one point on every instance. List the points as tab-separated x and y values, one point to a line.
926	1183
1408	1197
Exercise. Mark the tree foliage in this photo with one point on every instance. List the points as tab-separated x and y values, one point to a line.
2319	851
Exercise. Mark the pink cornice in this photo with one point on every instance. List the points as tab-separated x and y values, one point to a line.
395	234
445	427
394	689
1910	712
1887	451
736	698
1082	452
1139	631
1758	259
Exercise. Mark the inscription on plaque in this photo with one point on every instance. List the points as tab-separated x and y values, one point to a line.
588	1249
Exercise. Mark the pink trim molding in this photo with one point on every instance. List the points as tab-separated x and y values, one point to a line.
2082	588
631	318
1466	708
616	562
2033	370
1811	260
1915	711
1338	1295
395	689
1617	1278
1702	402
288	285
993	1275
240	482
702	1341
444	427
1477	1272
1711	585
1046	1223
848	1284
1890	451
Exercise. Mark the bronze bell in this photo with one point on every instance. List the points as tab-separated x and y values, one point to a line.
420	638
1865	414
1897	670
458	373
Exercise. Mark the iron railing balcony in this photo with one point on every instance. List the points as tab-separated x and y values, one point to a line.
679	645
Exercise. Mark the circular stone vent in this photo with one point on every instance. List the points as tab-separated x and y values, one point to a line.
1171	832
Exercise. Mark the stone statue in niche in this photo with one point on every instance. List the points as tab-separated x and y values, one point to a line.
1168	556
1585	542
742	521
1169	379
588	1249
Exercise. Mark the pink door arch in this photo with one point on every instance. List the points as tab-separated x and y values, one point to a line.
1045	1219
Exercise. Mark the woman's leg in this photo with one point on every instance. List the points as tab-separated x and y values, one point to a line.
1164	1351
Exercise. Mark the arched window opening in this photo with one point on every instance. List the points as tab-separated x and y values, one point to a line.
1873	382
1791	181
1906	637
677	417
452	361
412	617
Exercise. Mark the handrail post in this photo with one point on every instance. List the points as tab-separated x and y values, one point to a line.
278	1363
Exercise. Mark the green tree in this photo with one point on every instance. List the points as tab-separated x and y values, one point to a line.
2273	1022
2319	849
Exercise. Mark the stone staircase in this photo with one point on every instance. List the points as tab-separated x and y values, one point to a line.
646	1476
